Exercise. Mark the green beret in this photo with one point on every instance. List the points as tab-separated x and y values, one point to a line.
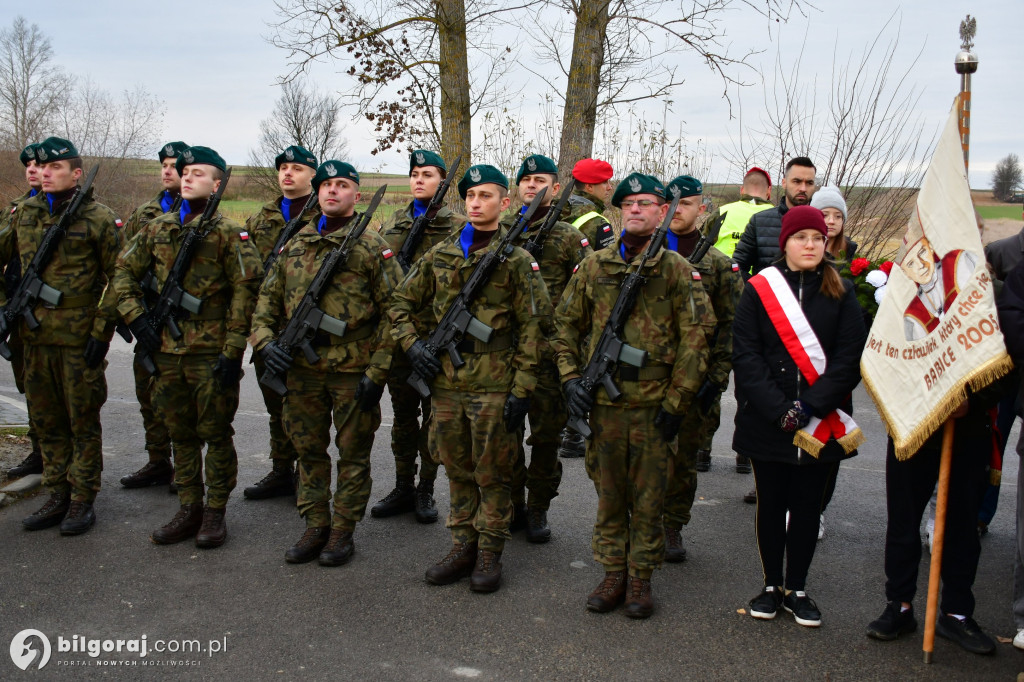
536	163
296	154
199	155
171	150
28	154
686	186
637	183
334	169
481	175
55	149
422	157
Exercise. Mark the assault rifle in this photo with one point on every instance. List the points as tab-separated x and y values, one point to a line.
173	299
308	318
706	241
457	321
419	226
288	231
536	242
611	349
32	289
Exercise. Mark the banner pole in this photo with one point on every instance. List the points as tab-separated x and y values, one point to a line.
938	540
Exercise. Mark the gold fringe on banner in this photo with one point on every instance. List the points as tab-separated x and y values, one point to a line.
982	376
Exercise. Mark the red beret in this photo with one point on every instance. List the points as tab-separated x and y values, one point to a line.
801	218
592	171
762	171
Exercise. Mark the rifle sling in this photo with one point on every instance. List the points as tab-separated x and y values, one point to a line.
650	373
498	343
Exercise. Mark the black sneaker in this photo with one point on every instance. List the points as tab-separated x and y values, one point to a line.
966	633
803	608
892	623
765	605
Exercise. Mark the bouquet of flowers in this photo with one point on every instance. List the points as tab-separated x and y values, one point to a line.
869	280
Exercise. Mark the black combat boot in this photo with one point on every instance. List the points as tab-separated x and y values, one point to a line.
401	500
214	531
703	460
742	465
339	549
80	518
33	464
426	510
183	526
486	576
309	545
675	553
159	472
50	514
457	565
537	528
279	482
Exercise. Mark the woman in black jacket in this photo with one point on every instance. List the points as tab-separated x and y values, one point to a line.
782	387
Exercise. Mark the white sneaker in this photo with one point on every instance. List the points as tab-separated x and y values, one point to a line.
821	527
1018	641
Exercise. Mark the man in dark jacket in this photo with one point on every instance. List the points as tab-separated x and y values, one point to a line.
759	245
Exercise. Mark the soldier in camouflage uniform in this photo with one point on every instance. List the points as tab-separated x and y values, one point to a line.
33	463
723	284
630	456
345	385
65	386
196	386
563	249
408	435
158	470
478	408
295	168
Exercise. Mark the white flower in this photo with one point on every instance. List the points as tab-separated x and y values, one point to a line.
877	278
880	294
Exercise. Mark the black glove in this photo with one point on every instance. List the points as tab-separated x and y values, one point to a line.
3	324
227	372
275	358
669	424
368	394
579	402
95	351
144	334
795	418
122	330
516	410
706	395
423	361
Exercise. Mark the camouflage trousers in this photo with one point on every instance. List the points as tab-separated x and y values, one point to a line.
17	348
281	447
468	434
547	418
158	438
695	434
313	400
64	399
629	464
197	412
409	437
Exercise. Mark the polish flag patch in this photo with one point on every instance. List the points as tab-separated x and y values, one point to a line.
576	268
387	253
584	242
13	209
117	221
735	267
243	235
695	275
607	228
536	268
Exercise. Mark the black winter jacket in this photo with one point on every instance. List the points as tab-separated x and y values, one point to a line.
767	380
759	246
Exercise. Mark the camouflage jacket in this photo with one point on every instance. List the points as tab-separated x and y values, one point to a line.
672	321
141	216
723	284
564	249
595	228
359	294
396	229
224	273
12	269
81	268
265	227
514	303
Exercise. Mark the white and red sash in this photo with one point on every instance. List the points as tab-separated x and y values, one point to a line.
803	346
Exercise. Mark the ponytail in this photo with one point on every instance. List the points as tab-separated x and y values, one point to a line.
831	283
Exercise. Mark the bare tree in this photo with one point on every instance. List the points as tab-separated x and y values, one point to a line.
302	115
1007	178
409	62
30	84
861	131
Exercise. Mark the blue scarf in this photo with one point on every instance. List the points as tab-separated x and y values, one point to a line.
466	239
320	225
419	208
32	192
183	211
671	241
166	201
286	208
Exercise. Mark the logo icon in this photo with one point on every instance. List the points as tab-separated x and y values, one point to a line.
41	153
531	164
24	654
634	184
188	156
331	170
168	150
421	158
675	190
289	154
474	174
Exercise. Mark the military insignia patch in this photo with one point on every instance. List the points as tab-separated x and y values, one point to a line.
13	209
331	170
168	150
536	268
243	235
675	190
607	227
695	275
584	242
735	267
387	253
41	153
117	221
531	164
421	158
634	184
188	156
289	154
474	174
577	267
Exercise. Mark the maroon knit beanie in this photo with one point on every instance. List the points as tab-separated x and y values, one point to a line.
801	218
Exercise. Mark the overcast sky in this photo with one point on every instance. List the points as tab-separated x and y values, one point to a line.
215	70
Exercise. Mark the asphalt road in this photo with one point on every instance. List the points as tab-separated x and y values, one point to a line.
376	617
